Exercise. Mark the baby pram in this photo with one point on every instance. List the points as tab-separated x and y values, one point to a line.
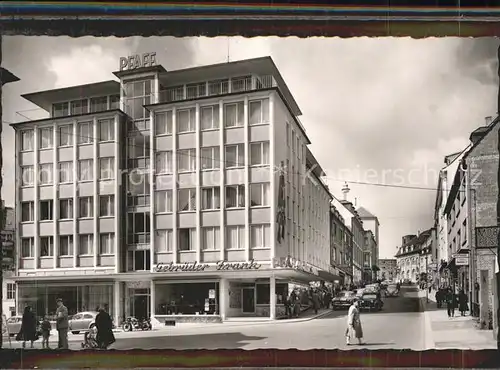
90	339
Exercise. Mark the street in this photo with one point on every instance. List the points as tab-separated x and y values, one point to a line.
399	325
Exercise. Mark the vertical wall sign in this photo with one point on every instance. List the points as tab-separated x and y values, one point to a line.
281	215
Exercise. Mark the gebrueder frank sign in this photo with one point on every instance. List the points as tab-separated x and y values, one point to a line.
137	61
199	267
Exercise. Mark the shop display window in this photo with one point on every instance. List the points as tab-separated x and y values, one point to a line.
187	299
264	293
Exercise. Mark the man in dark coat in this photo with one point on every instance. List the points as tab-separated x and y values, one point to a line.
28	331
62	324
104	325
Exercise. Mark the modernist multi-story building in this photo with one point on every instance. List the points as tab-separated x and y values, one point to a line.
415	257
341	247
388	269
370	257
169	193
7	234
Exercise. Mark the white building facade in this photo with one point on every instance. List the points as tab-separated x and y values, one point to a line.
159	195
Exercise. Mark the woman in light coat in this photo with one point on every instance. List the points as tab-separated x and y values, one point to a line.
354	323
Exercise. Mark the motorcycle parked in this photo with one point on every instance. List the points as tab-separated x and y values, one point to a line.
131	323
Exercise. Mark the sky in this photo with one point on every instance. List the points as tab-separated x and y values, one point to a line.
381	111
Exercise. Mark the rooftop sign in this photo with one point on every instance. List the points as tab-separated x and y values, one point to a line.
137	61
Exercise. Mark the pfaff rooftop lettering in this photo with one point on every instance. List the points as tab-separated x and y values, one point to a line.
138	61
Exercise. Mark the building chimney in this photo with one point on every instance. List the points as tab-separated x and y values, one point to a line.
355	202
488	120
345	190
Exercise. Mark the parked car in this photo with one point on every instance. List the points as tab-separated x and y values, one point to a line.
343	300
14	324
82	322
392	291
371	300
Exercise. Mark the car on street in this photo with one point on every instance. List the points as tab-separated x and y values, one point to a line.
371	300
82	322
343	300
14	324
392	291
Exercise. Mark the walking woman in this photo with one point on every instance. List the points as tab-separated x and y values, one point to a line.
104	324
451	300
462	302
354	323
28	327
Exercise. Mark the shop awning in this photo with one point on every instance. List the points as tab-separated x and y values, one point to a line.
325	275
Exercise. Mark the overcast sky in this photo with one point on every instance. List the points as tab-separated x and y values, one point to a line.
377	110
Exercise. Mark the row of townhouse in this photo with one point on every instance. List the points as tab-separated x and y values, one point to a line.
187	194
466	220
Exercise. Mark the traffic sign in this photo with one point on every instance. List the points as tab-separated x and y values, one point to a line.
462	260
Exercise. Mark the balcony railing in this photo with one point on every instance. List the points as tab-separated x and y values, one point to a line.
216	88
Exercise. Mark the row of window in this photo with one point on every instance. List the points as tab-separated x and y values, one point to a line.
85	209
66	245
260	237
84	106
11	291
233	116
186	202
186	162
66	172
85	135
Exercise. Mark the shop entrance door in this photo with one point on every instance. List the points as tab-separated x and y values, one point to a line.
140	305
248	295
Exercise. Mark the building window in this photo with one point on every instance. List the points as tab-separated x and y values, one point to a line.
186	120
107	130
107	205
218	87
210	238
260	236
66	135
210	158
46	138
233	115
235	237
27	247
259	194
138	147
187	239
27	175
258	112
210	198
139	227
86	245
27	211
60	109
106	168
79	107
186	200
235	196
85	132
65	172
209	117
65	209
234	156
259	153
99	104
164	240
164	163
196	90
139	189
46	173
86	207
27	140
66	245
11	291
46	246
114	102
287	134
107	244
163	201
186	160
46	210
239	84
86	170
163	123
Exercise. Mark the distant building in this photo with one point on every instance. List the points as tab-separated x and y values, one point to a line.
341	246
388	269
415	258
369	257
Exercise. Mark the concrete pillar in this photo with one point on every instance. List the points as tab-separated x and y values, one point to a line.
272	300
223	298
152	306
117	307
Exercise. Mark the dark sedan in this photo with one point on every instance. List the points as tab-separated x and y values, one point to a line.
371	300
343	300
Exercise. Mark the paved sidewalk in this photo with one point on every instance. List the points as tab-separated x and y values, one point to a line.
458	332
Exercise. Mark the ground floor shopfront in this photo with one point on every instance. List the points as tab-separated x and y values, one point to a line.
185	296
